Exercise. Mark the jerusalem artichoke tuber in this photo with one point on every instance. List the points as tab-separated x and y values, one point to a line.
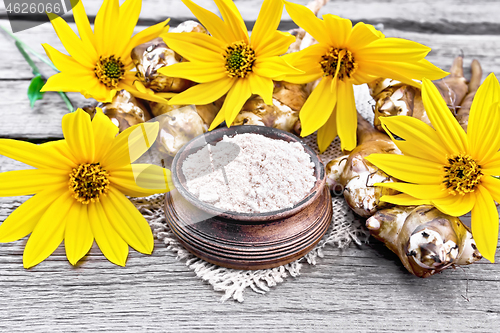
425	239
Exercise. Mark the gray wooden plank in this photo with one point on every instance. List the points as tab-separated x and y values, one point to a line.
445	15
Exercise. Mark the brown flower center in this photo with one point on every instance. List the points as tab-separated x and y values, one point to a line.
462	174
338	62
240	58
88	182
109	71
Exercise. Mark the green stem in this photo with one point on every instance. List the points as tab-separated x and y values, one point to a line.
27	47
21	47
30	62
67	101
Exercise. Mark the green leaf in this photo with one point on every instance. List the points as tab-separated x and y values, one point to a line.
34	93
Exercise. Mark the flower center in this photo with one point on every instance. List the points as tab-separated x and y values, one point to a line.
462	174
240	58
88	182
109	71
338	62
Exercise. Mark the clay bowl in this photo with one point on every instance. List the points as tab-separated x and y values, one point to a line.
215	136
242	240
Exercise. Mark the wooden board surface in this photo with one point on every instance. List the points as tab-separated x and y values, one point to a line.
359	289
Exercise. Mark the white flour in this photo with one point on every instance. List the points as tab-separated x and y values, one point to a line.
250	173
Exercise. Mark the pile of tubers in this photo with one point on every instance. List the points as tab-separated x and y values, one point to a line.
425	240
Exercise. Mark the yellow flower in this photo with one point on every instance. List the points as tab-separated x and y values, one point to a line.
345	56
229	61
100	63
80	185
447	167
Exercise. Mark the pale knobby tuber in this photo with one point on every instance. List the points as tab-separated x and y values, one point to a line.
425	239
124	110
155	54
394	98
355	176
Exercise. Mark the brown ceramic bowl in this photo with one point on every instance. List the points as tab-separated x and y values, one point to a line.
215	136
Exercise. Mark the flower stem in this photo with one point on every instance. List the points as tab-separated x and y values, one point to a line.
27	47
22	47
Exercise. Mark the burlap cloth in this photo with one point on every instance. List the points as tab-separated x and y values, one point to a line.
344	229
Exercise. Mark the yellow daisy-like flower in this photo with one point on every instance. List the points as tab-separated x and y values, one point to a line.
229	61
80	185
100	63
348	55
447	167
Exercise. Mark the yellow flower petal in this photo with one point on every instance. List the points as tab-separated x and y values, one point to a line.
219	119
421	140
64	62
129	145
195	46
78	237
128	222
34	155
82	23
81	51
77	130
233	19
493	186
145	36
456	205
48	232
24	219
217	28
105	27
308	62
147	94
406	72
261	86
196	71
482	129
276	44
65	81
404	200
25	182
422	192
492	167
341	28
484	224
267	21
104	133
392	49
140	180
204	93
114	248
305	18
421	171
361	35
447	128
347	117
125	23
274	68
317	108
327	132
235	99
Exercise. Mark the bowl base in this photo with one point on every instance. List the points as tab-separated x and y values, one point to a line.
248	245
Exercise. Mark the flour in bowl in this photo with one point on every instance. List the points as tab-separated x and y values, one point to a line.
250	173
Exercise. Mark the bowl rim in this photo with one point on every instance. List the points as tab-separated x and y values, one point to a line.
217	135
